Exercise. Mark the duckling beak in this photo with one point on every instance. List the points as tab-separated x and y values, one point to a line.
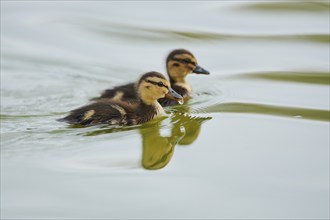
174	95
200	70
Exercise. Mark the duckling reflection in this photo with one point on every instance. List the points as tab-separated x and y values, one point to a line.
190	125
157	149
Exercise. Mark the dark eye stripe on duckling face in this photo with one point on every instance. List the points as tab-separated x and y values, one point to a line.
157	81
185	58
185	61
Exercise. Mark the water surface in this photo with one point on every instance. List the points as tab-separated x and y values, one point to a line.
252	143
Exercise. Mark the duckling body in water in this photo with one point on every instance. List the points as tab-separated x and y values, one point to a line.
179	64
150	87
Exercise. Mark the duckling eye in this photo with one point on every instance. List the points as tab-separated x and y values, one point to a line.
186	60
160	84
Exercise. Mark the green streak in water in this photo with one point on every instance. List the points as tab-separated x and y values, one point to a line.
160	35
251	108
321	38
304	6
318	38
322	78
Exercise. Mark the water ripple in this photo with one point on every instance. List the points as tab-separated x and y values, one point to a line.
322	78
142	33
282	111
289	6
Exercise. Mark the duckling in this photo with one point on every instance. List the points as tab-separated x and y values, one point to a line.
150	87
179	63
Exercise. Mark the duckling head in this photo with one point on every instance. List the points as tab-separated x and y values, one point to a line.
153	86
180	63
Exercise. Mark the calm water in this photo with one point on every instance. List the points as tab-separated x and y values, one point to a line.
252	143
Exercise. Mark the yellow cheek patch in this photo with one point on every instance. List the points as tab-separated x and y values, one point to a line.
88	114
165	90
192	66
144	84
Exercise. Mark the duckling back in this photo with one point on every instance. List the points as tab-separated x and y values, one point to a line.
112	113
125	92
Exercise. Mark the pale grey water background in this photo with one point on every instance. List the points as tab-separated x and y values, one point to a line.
263	153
